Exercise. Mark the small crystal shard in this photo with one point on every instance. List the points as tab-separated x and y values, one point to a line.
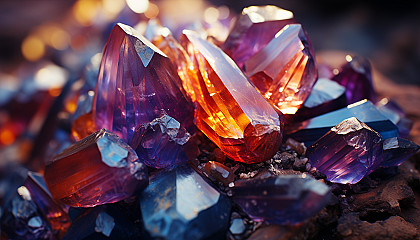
347	153
311	130
397	150
254	29
356	76
219	172
180	204
284	71
230	111
55	213
283	199
98	169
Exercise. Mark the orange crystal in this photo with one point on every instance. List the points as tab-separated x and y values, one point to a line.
230	111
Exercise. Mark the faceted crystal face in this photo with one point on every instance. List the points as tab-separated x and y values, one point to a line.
284	70
230	111
55	213
397	150
356	76
98	169
137	83
284	199
180	204
311	130
347	153
254	29
393	112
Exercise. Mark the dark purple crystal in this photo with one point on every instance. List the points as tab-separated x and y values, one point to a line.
397	150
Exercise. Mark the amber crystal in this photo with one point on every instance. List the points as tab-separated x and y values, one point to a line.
98	169
284	71
230	111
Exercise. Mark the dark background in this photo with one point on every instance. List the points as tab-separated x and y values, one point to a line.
386	32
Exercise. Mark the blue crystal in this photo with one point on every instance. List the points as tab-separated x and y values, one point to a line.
397	150
180	204
364	111
283	199
237	226
396	114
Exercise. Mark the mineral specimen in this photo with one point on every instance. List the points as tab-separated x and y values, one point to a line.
347	153
254	29
283	199
397	150
230	111
180	204
219	172
311	130
284	71
396	114
98	169
356	76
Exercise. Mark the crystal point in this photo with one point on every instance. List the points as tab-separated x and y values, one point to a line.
99	169
284	199
284	71
230	111
180	204
397	150
347	153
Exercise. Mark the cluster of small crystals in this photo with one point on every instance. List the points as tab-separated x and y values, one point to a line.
141	168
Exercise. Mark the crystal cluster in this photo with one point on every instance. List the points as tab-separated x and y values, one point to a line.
98	169
284	199
180	204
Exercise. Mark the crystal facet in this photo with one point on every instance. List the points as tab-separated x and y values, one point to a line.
284	71
283	199
230	111
397	150
180	204
393	112
254	29
55	213
311	130
356	76
219	172
98	169
137	83
347	153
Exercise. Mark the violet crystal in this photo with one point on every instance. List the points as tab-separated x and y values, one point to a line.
96	170
347	153
283	199
397	150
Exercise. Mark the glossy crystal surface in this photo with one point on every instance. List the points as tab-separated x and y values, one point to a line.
311	130
284	71
98	169
137	83
180	204
397	150
254	29
230	111
283	199
396	114
347	153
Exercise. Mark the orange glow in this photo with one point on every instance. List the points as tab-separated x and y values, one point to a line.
60	39
54	91
85	11
77	42
7	137
33	48
152	11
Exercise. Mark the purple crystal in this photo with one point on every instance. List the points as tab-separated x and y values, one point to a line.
356	76
55	213
136	83
283	199
254	29
396	114
397	150
347	153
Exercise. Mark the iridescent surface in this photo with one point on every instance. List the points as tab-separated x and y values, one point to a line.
283	199
254	29
55	213
347	153
98	169
137	83
180	204
22	220
397	150
356	76
284	71
314	128
230	111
